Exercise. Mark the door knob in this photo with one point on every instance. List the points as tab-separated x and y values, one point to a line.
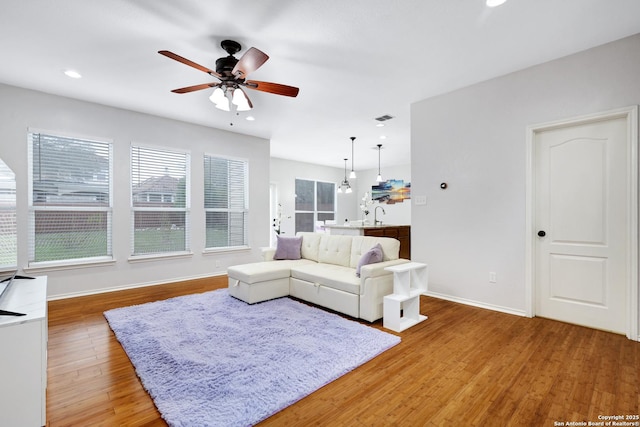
542	233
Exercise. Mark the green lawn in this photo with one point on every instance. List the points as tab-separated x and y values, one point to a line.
70	245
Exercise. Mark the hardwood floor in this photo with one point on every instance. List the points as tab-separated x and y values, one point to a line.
463	366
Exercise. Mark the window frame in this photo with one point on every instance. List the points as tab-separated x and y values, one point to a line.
315	210
8	209
32	264
245	210
142	256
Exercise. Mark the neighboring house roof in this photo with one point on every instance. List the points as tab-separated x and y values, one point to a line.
158	184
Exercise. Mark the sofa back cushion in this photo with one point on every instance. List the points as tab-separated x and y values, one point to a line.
310	245
335	250
361	244
344	250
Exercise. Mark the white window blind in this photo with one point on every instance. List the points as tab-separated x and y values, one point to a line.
8	228
226	202
160	202
70	202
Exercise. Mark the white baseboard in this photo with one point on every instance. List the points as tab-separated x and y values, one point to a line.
492	307
477	304
130	286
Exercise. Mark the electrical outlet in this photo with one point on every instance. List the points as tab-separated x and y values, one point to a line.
217	263
492	277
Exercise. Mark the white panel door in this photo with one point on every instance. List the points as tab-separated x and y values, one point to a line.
581	187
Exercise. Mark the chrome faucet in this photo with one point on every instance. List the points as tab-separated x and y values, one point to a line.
375	215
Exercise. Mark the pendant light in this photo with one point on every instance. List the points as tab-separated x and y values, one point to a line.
353	172
379	177
344	185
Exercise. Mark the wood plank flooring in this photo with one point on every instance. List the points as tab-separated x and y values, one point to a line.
463	366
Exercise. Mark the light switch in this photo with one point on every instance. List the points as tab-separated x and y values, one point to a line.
420	200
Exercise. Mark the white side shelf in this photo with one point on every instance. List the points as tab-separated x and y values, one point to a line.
401	309
410	275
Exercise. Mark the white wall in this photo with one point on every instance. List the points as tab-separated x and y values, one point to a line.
21	109
475	139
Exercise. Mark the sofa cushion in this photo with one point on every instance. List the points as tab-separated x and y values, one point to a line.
310	245
331	275
266	270
335	250
288	248
372	256
361	244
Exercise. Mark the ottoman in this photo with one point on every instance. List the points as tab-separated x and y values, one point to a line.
261	281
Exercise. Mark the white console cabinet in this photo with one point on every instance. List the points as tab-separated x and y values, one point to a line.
23	354
401	309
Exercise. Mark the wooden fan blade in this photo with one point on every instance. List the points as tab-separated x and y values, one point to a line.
249	62
194	88
276	88
188	62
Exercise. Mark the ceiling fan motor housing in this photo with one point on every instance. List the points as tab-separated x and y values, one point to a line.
224	66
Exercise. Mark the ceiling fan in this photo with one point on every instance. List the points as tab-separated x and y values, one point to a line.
232	73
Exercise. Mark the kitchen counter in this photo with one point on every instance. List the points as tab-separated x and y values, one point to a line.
359	227
400	232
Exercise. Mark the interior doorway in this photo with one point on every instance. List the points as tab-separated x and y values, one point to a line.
582	221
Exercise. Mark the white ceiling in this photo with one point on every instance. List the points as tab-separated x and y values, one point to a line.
352	60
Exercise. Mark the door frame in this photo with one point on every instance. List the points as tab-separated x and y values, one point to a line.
630	114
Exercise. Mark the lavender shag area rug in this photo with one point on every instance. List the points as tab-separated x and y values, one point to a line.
211	360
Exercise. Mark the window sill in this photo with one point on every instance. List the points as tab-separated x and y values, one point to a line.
154	257
227	249
68	265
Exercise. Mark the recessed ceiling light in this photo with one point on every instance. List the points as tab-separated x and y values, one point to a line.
250	118
73	74
380	125
383	137
495	3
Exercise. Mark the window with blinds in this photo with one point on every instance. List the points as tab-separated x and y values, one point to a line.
8	228
70	198
315	203
226	202
160	200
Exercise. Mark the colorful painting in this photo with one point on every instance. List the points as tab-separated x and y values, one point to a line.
391	191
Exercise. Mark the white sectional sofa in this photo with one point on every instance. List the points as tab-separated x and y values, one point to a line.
324	275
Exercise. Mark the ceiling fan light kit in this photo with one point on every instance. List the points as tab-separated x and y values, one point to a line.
224	105
240	100
219	99
231	73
